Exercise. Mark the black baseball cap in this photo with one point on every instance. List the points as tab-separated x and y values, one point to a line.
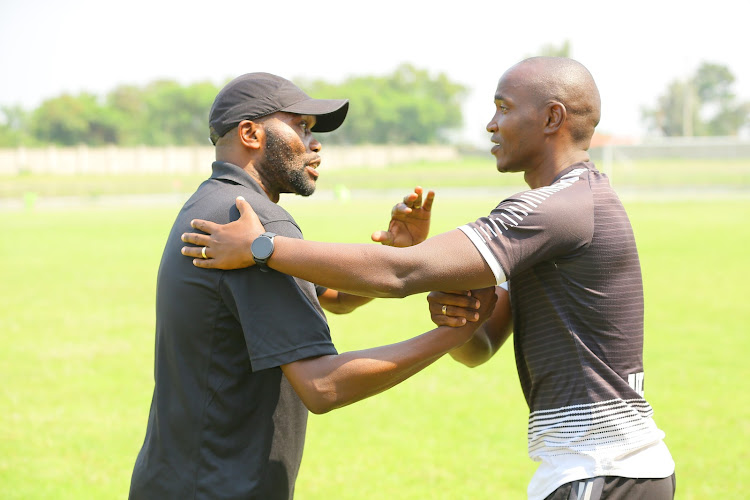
255	95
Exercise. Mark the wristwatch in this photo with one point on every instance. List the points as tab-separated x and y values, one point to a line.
262	249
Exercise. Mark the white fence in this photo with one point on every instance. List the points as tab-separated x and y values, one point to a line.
676	147
185	160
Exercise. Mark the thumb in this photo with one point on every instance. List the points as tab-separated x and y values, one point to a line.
247	214
384	237
246	211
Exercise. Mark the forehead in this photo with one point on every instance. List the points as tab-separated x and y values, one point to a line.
516	85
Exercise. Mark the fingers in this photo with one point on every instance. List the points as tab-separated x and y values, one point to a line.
428	201
202	256
196	239
453	309
459	300
204	225
383	237
196	252
415	201
441	320
205	263
454	312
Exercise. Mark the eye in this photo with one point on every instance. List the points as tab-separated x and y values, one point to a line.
304	125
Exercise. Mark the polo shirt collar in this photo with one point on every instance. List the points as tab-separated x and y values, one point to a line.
229	172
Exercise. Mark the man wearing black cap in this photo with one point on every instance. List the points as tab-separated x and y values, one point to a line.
242	355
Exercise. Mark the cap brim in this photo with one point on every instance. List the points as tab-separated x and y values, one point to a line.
329	113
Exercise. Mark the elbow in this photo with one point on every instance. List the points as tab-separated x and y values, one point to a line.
398	277
319	409
320	400
469	362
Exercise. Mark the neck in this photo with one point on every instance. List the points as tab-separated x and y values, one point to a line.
248	165
546	173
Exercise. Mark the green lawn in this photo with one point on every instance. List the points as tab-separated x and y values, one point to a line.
469	171
76	353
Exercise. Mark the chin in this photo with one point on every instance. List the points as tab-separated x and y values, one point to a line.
306	190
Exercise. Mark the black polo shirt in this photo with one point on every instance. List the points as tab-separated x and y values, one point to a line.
224	421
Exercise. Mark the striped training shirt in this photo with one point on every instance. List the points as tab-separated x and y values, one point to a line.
576	292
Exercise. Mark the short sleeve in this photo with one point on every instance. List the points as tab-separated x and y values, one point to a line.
281	317
534	226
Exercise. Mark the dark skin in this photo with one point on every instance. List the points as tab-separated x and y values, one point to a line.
409	225
490	336
327	382
241	147
546	111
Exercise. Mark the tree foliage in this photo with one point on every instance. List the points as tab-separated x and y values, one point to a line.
702	105
408	106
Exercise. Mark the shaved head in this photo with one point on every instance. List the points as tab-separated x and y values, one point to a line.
563	80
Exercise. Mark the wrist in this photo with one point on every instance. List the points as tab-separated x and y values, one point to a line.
261	249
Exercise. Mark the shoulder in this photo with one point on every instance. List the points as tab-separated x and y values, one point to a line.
567	196
215	200
563	209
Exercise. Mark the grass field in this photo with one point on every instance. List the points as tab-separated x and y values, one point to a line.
470	171
76	354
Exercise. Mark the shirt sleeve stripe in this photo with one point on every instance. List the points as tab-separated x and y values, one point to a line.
484	250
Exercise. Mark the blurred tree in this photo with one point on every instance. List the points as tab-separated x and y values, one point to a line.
128	106
408	106
704	104
175	114
13	127
69	120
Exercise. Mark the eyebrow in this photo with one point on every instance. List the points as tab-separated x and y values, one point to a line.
499	97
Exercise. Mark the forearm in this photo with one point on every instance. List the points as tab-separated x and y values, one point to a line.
341	302
330	382
446	262
490	336
475	352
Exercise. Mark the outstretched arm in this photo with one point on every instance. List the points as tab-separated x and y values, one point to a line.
448	261
409	225
489	337
341	302
329	382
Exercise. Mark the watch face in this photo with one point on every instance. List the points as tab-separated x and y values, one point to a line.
262	247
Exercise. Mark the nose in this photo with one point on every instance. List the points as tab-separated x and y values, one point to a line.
492	125
315	145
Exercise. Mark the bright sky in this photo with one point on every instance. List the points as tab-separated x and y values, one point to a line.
634	49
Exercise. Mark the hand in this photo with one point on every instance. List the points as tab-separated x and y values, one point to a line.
410	221
456	308
227	246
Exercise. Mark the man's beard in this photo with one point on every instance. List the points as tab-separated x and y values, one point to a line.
284	167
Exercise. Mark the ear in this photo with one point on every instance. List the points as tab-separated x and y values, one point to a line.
251	134
555	116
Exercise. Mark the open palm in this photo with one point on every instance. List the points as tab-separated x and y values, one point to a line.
410	221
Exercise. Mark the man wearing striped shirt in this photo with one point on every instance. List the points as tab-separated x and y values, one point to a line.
566	249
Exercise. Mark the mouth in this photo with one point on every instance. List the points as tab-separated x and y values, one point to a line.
495	148
311	168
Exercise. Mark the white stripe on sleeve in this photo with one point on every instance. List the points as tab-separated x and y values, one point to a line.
484	250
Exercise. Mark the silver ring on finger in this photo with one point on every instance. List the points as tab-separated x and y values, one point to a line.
445	310
203	252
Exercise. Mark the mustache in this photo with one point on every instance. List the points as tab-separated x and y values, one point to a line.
312	159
